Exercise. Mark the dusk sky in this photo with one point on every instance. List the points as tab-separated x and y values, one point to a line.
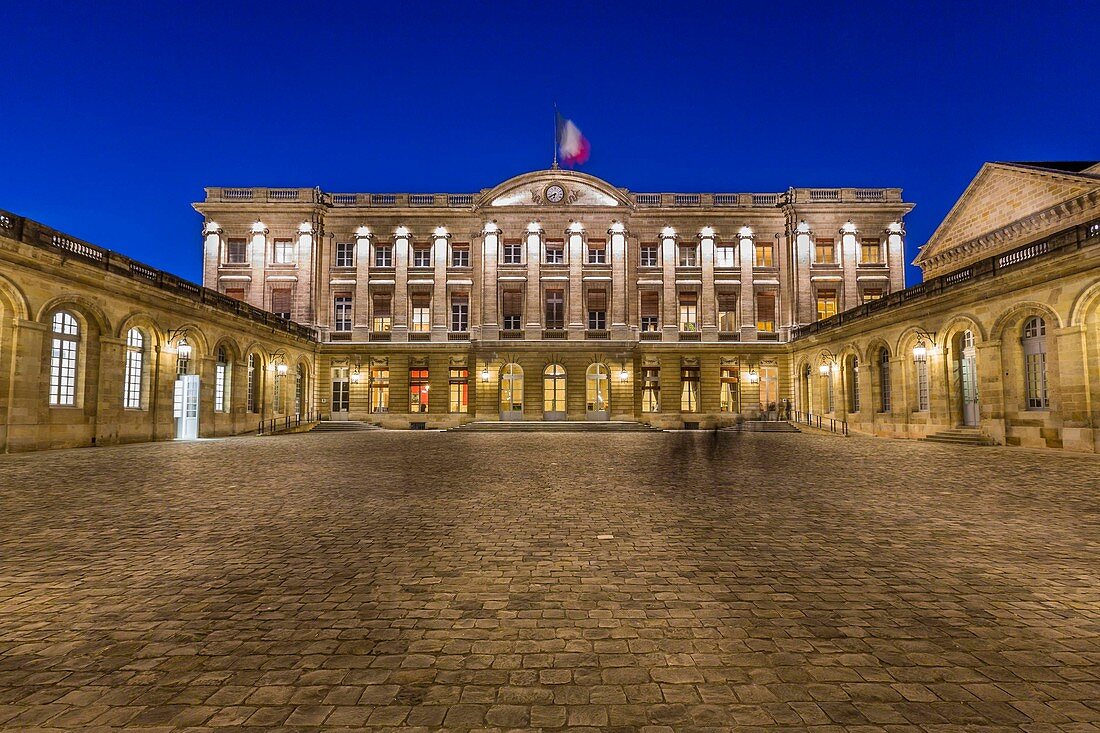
117	115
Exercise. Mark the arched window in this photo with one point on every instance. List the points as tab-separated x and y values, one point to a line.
1035	363
299	388
253	384
884	380
853	384
135	370
63	359
221	381
920	364
830	397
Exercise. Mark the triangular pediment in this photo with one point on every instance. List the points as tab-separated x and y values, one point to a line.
538	188
999	196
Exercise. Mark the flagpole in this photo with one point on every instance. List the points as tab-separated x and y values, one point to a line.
554	167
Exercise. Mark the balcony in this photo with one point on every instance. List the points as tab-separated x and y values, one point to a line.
597	334
767	336
729	335
511	333
649	335
339	336
379	336
690	335
419	336
458	336
554	333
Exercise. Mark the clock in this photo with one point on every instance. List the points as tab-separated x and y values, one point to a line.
555	194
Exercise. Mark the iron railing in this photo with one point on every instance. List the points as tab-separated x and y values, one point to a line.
832	424
275	425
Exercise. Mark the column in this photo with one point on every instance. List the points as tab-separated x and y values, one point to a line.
746	241
489	323
707	305
440	307
669	321
574	298
212	253
619	288
803	311
532	307
401	240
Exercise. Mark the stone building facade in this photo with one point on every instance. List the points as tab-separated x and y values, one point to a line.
554	295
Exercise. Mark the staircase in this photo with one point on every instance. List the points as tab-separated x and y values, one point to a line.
554	426
342	426
762	426
961	436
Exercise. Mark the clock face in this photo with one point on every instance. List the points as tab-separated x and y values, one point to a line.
555	194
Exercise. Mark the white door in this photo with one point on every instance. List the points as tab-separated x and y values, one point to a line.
968	379
186	407
340	393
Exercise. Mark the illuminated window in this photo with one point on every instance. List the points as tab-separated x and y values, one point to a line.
689	389
459	390
183	358
284	252
769	386
871	294
870	252
277	394
765	311
253	398
650	309
382	315
380	389
236	252
460	312
853	384
460	255
824	251
299	388
689	255
689	311
341	304
421	313
647	255
764	254
135	369
383	255
555	309
727	312
345	254
597	310
512	309
221	381
513	252
555	252
418	390
729	397
725	256
830	397
1035	364
651	389
826	304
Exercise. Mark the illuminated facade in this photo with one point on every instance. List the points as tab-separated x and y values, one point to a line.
553	295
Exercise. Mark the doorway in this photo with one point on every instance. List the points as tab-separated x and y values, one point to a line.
186	407
553	393
511	392
341	393
597	392
968	380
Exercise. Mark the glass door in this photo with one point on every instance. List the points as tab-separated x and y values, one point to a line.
968	380
553	392
511	392
341	393
597	393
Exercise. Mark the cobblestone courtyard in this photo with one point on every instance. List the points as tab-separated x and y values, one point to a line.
631	581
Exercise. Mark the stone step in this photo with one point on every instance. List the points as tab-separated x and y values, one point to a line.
342	426
960	436
554	426
763	426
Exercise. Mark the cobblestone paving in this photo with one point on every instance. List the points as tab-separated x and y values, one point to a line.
459	581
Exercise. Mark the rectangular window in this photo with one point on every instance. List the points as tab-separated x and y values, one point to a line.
342	311
765	254
824	252
597	310
221	369
460	312
459	389
513	252
689	311
421	313
597	252
131	388
555	309
422	257
725	256
277	394
765	311
555	252
884	381
252	386
235	293
284	252
870	252
650	308
383	255
870	294
418	390
729	396
236	252
647	255
651	389
689	255
382	316
345	254
1035	383
460	255
380	389
826	304
689	389
280	302
921	365
727	312
512	309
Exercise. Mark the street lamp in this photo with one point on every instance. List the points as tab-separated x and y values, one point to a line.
485	374
828	362
623	373
751	376
921	349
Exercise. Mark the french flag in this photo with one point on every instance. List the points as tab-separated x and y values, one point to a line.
573	146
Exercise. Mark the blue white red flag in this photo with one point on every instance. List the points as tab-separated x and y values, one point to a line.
572	145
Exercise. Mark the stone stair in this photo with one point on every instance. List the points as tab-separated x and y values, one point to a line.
762	426
342	426
960	436
554	426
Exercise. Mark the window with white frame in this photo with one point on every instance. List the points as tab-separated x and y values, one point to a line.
597	310
830	396
649	308
236	251
345	254
135	370
421	313
725	256
824	251
689	311
183	358
458	384
853	384
299	388
689	255
513	252
1035	363
647	255
597	252
341	305
555	252
460	255
884	380
689	389
253	384
460	312
277	394
221	381
651	389
921	365
383	255
422	257
284	252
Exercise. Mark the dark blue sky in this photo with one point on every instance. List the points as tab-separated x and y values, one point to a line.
116	115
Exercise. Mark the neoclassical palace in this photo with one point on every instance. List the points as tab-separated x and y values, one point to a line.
556	296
